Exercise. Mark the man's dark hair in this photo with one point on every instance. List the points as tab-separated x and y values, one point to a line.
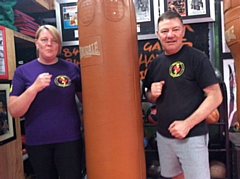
170	15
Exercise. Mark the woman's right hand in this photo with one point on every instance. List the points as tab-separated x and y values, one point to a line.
43	80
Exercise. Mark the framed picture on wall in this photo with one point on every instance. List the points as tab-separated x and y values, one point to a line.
7	124
229	77
66	20
147	13
3	54
225	48
192	11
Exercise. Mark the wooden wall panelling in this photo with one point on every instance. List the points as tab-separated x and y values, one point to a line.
11	157
10	52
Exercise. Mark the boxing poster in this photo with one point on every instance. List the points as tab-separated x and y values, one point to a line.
66	21
229	77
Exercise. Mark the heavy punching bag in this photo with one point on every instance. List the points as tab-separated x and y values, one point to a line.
112	112
232	35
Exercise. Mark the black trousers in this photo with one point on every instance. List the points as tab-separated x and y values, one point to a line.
52	161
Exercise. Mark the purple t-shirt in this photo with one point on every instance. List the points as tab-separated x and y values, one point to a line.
52	116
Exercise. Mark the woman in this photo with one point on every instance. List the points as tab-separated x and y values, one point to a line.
43	91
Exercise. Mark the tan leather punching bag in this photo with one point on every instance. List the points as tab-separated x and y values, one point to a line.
232	35
112	109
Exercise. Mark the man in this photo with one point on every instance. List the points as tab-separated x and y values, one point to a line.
182	83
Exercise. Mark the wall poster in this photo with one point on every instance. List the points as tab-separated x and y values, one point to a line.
229	77
192	11
3	54
66	20
147	13
7	125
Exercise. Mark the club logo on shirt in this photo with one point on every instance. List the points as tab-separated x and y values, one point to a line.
176	69
62	80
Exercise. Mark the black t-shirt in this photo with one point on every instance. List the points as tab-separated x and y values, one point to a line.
186	74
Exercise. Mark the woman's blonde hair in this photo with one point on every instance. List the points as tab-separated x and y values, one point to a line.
54	31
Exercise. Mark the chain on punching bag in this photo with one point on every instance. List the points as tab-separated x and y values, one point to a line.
232	36
111	90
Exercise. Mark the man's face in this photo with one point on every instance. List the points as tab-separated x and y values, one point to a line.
170	33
